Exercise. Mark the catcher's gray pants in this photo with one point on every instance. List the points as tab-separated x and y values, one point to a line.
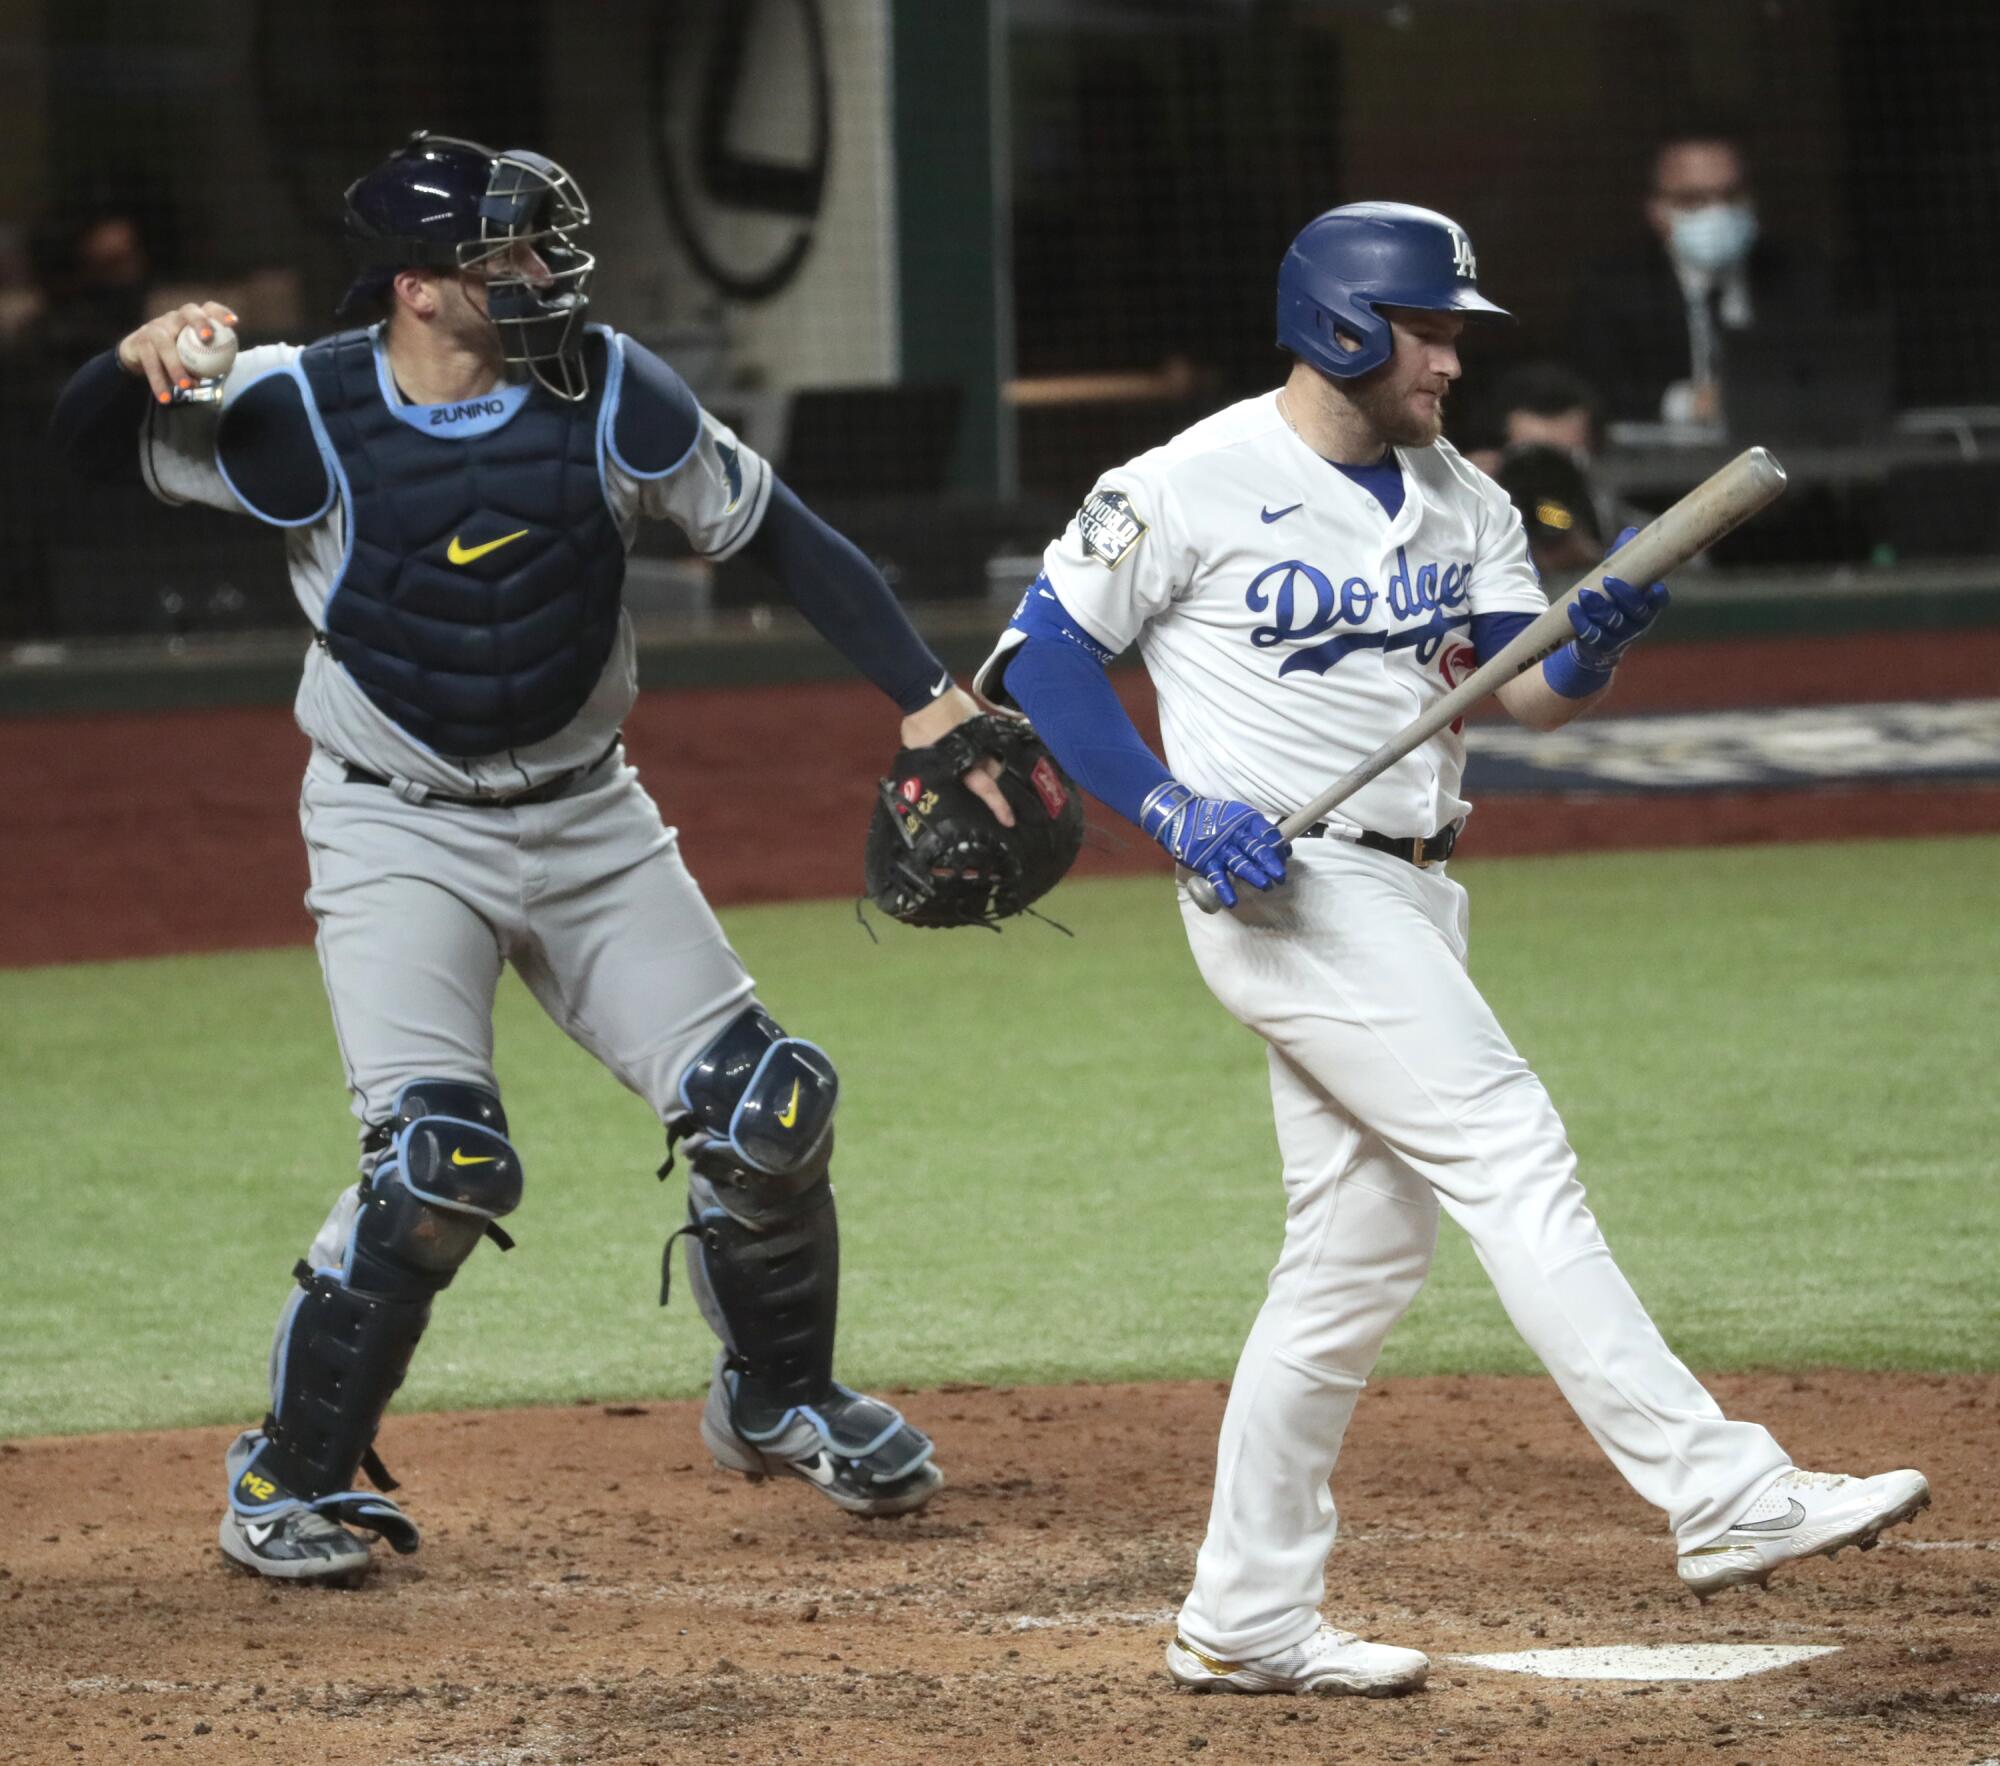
419	905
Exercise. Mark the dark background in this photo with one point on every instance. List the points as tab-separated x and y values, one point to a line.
1082	187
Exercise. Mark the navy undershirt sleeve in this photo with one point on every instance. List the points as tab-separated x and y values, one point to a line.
95	426
843	596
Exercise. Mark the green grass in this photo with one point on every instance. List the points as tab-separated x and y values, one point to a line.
1056	1157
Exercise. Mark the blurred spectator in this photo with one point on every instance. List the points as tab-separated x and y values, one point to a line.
1656	327
96	276
1535	408
270	300
1537	402
94	269
91	269
20	299
1547	484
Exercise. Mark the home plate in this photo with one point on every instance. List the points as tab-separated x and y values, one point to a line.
1673	1661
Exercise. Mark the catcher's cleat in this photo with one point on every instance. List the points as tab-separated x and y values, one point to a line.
1799	1514
300	1545
855	1451
268	1529
1328	1662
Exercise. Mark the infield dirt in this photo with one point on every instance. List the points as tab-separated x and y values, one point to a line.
592	1590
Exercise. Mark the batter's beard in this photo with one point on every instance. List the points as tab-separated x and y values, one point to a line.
1390	416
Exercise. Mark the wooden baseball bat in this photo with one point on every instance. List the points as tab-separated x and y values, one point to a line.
1720	503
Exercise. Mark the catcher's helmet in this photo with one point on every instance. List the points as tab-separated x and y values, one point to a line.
1352	261
445	204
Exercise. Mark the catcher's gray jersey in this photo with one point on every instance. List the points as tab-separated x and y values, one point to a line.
419	905
717	497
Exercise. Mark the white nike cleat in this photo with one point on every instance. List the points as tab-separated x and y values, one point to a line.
1800	1514
1328	1662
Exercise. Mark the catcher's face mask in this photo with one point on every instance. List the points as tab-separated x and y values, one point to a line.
535	269
512	219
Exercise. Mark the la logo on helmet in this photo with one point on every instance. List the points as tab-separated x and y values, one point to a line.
1462	262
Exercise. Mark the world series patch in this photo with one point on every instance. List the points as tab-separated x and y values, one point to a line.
1109	527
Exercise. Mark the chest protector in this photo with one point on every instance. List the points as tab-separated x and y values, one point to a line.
479	597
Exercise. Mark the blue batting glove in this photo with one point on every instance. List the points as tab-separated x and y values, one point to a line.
1217	837
1606	623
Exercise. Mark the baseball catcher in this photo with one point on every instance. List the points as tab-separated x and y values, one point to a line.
461	474
938	856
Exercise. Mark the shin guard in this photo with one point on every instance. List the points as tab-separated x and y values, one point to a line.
771	1292
444	1173
763	1251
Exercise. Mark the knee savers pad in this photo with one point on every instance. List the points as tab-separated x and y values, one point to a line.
763	1101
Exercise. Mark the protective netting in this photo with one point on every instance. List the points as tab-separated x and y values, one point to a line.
944	264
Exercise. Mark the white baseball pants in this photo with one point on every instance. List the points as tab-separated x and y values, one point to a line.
1397	1092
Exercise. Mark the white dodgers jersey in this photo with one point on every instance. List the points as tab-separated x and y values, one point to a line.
1289	624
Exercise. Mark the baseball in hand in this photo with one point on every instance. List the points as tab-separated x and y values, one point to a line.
210	360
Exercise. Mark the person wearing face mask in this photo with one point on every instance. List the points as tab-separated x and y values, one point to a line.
1656	329
1702	210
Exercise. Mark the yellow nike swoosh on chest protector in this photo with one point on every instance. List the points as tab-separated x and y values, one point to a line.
790	1113
460	553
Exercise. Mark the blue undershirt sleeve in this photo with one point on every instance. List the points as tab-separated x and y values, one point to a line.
95	426
845	600
1565	671
1075	710
1493	632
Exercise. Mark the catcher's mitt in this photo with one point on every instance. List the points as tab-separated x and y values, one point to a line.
935	854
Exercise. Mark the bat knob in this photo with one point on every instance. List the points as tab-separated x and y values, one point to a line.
1202	893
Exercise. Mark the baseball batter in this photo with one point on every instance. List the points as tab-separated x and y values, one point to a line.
458	484
1303	574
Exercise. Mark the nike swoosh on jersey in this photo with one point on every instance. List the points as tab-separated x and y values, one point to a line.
458	1158
790	1113
1280	514
460	553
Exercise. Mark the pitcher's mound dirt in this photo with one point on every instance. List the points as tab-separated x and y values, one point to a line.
592	1590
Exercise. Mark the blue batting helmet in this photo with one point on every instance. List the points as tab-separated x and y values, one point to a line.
1351	262
445	204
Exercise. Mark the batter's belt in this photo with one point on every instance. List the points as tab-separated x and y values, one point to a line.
546	792
1414	849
